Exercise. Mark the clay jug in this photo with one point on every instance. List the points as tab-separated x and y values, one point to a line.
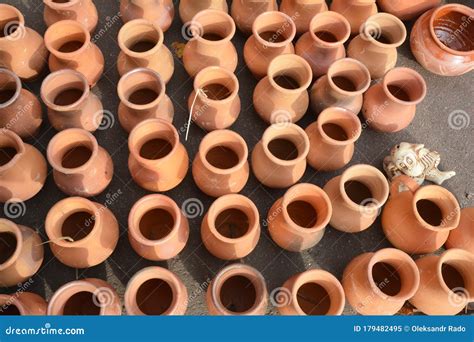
22	304
463	236
189	8
83	11
355	11
407	9
302	12
159	11
244	12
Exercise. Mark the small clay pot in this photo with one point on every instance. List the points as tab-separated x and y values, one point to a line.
221	165
157	229
355	11
312	293
379	283
155	291
20	110
302	12
142	94
69	43
80	166
407	9
189	8
357	197
22	304
158	161
88	296
463	236
245	12
21	253
297	220
161	12
91	226
83	11
237	289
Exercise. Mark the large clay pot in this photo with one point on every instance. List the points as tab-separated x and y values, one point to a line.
463	236
407	9
83	11
355	11
159	11
189	8
302	12
22	304
244	12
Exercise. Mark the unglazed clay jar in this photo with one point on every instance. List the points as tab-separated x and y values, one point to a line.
83	11
441	40
158	161
22	304
221	165
244	12
297	220
189	8
157	229
159	11
142	94
279	158
463	236
237	289
155	291
407	9
379	283
80	166
355	11
21	253
302	11
91	230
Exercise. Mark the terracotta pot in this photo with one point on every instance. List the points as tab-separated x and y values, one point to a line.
88	296
237	289
244	12
302	12
441	40
314	292
357	197
142	94
297	220
22	49
407	9
20	110
92	227
217	103
418	221
80	166
463	236
446	283
344	85
159	11
376	45
221	165
355	11
22	304
21	253
23	168
379	283
189	8
83	11
158	161
70	46
155	291
157	229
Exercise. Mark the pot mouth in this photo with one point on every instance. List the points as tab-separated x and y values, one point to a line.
61	4
287	145
10	243
274	29
216	85
12	23
11	306
348	77
212	27
404	86
384	30
67	38
10	87
290	73
329	29
141	89
12	149
454	272
64	90
339	126
140	38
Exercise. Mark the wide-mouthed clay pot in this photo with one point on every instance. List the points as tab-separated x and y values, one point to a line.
463	236
407	9
83	11
155	291
189	8
22	304
302	12
159	11
244	12
355	11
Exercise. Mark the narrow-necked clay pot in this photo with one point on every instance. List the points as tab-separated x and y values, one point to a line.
297	220
23	168
211	45
463	236
221	165
441	40
418	221
376	45
155	291
446	282
92	227
407	9
344	85
189	8
357	197
302	12
217	103
20	110
80	166
237	289
312	293
379	283
22	304
161	12
142	94
355	11
158	161
88	296
245	12
21	253
69	43
157	229
83	11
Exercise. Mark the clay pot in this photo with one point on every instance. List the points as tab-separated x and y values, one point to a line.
379	283
302	12
237	289
221	165
80	166
463	236
83	11
407	9
158	161
376	45
357	197
22	304
142	94
245	12
22	49
21	253
155	291
297	220
69	43
355	11
217	103
88	296
159	11
20	110
446	283
189	8
441	40
22	168
418	221
92	227
157	229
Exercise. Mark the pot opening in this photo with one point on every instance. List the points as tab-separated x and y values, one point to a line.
326	36
156	149
8	246
404	85
283	149
232	223
222	157
68	96
61	1
272	36
8	88
83	303
345	83
10	310
274	28
76	157
430	212
7	153
454	30
78	225
385	29
387	278
286	81
156	224
359	193
6	95
330	27
66	37
212	27
216	91
399	92
72	45
154	297
238	294
303	214
143	96
313	299
142	38
334	131
453	278
9	22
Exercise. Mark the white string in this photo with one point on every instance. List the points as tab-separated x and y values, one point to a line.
198	92
64	238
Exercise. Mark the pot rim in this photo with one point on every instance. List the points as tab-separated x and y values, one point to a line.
47	39
198	37
59	5
19	147
135	23
326	115
21	18
362	68
267	43
411	72
334	15
18	87
444	258
365	30
228	73
15	230
303	62
13	299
